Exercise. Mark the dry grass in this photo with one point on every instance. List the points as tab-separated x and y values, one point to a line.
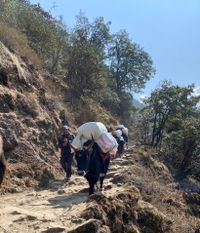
90	110
157	188
18	42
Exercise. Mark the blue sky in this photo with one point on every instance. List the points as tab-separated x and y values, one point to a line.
169	30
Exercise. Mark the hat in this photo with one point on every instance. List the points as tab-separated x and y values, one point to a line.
65	126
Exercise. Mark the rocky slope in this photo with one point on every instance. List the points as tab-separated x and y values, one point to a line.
33	107
30	118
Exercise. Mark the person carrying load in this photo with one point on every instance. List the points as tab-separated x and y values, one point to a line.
120	140
124	131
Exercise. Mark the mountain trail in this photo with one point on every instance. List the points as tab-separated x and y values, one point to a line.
56	209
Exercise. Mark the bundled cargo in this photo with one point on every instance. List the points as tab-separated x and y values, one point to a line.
117	133
88	131
95	131
125	131
119	127
107	143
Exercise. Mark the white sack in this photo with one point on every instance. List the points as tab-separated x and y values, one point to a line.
107	142
88	131
118	133
125	131
119	127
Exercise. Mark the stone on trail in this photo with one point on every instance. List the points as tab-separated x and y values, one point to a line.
55	229
90	226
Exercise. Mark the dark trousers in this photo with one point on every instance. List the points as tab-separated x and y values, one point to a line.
66	163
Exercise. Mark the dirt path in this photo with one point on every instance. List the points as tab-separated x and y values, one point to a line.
56	209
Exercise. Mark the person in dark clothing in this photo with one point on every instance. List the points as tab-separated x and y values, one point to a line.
120	140
66	151
121	143
125	137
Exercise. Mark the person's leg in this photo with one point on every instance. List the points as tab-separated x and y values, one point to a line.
63	164
69	165
121	148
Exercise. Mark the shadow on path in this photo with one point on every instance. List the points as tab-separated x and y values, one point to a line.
66	201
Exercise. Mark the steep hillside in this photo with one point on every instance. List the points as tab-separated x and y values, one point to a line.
33	107
30	118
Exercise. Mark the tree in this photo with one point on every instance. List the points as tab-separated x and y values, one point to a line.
96	33
130	65
85	69
169	106
182	147
85	64
144	126
47	36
